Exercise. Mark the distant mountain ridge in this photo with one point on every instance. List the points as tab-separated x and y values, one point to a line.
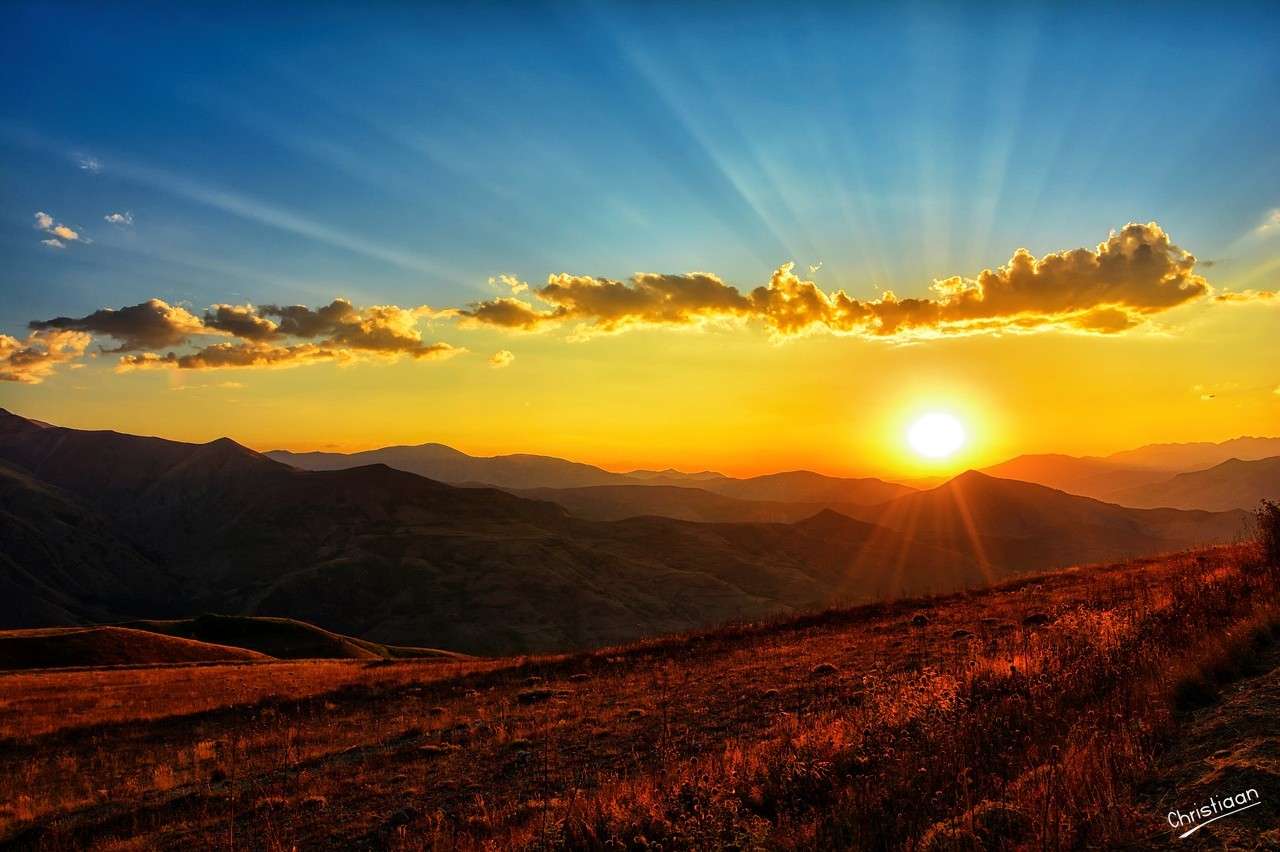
1233	484
1014	524
524	472
1149	476
1088	476
1198	455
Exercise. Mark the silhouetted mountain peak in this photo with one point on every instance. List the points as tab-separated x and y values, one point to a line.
831	522
972	478
12	424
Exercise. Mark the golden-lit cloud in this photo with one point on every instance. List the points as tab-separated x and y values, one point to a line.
647	299
59	234
242	321
265	336
1136	273
219	356
505	312
501	358
33	360
510	282
224	355
337	325
1272	296
149	325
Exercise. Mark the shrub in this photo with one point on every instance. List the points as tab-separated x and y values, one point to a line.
532	696
1267	523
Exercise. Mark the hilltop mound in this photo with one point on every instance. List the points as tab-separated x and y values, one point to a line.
57	647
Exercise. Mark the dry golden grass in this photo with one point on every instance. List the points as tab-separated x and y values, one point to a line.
1027	712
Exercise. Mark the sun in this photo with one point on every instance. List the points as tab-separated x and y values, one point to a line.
936	435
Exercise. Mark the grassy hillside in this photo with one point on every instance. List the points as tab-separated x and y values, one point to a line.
1038	712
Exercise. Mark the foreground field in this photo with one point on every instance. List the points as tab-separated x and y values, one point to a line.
1038	714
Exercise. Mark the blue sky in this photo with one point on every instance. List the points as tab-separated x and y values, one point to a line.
409	154
406	155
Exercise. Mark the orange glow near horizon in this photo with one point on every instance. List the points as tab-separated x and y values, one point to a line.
732	401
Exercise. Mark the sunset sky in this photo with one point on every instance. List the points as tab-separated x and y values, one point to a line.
645	236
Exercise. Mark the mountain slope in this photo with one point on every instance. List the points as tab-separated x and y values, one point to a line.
282	638
61	562
1234	484
1017	525
617	502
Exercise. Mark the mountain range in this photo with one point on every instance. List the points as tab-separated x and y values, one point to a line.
102	526
1151	476
524	472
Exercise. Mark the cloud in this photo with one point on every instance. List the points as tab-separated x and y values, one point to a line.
505	312
264	336
124	219
337	325
89	164
386	328
60	233
1136	273
501	358
512	283
242	321
1271	224
210	385
1249	296
648	299
1118	285
149	325
33	360
266	355
220	355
